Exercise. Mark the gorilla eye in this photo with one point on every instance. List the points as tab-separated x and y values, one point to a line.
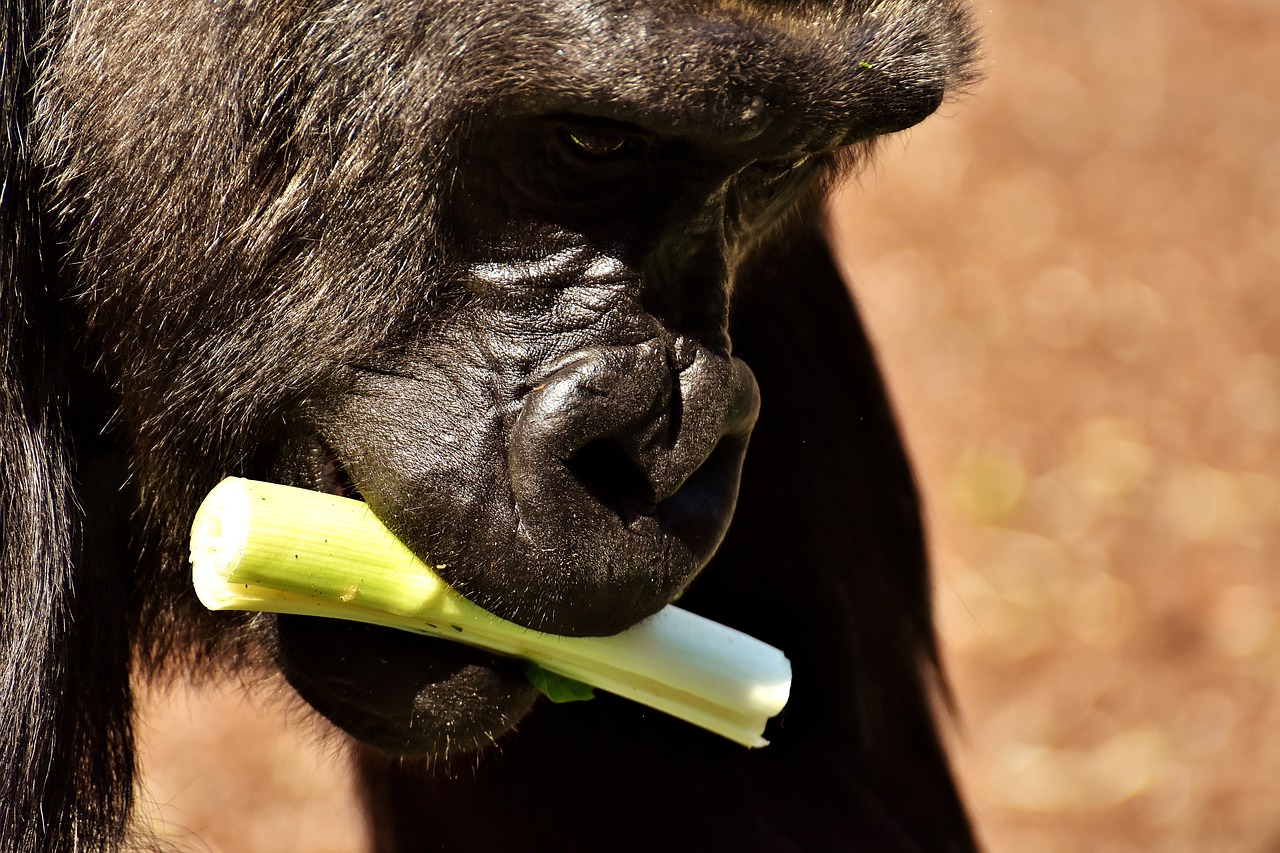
597	143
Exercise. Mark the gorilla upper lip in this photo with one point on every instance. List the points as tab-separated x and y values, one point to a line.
579	507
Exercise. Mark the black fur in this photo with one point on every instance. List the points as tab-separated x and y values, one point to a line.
297	239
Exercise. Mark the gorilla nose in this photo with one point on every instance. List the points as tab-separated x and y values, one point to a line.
627	460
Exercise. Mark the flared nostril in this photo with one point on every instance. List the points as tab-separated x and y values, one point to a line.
631	424
624	472
608	475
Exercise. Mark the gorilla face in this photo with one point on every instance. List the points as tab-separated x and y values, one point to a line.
564	438
564	434
470	262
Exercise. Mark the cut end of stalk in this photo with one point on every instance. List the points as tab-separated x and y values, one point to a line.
219	536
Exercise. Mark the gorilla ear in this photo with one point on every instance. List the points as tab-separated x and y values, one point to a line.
825	557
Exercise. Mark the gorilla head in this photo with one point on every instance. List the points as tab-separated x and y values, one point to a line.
481	264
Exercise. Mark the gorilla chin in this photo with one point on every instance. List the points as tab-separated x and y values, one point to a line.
404	694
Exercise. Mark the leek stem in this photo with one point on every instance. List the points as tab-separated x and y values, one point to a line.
267	547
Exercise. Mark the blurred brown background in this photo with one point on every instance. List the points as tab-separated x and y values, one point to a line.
1071	276
1073	282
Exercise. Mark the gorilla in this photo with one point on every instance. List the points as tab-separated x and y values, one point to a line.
498	269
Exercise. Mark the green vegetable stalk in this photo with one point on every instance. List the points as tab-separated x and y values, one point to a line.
263	546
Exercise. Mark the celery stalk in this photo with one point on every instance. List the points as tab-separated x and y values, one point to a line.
263	546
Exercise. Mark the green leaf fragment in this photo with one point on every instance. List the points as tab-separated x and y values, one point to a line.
557	688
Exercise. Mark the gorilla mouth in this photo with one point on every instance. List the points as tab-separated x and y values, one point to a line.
607	493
